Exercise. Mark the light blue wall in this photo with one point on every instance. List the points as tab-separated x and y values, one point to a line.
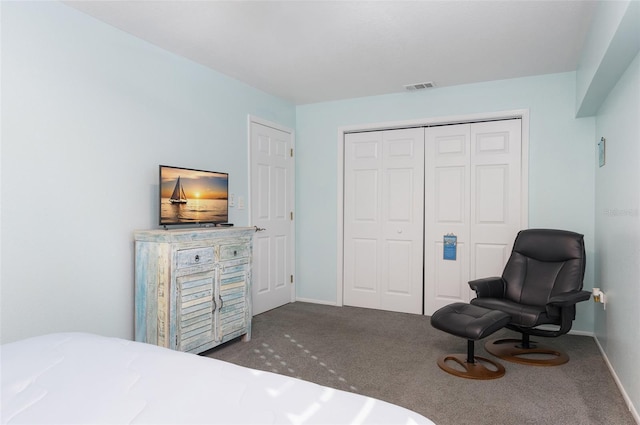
617	223
609	82
88	113
561	158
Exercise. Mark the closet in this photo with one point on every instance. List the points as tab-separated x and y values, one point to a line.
406	189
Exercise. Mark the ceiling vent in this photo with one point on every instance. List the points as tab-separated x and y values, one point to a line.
419	86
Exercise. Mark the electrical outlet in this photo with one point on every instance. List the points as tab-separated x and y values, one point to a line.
240	202
232	200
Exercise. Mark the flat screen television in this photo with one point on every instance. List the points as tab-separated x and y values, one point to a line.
189	196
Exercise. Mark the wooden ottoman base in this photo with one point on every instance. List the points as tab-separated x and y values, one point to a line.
475	370
472	323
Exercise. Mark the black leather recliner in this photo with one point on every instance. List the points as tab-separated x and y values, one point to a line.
540	285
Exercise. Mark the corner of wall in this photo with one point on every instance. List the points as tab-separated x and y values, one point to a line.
625	395
612	43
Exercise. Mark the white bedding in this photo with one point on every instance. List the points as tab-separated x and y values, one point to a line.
76	378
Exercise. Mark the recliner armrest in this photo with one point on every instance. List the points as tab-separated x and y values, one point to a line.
488	287
569	298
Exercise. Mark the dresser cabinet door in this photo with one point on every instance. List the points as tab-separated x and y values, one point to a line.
196	311
233	293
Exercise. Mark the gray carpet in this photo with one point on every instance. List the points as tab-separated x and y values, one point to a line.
392	356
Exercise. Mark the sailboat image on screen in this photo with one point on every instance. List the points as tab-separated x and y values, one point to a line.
190	196
178	196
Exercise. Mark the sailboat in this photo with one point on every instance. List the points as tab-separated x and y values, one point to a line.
178	196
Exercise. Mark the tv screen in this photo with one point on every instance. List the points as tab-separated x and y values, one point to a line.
190	196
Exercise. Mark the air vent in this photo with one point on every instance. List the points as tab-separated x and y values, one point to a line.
419	86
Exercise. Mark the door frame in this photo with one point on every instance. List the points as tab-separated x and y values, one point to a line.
522	114
251	119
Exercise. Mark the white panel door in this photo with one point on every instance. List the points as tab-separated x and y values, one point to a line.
272	210
496	175
447	191
472	190
383	220
362	219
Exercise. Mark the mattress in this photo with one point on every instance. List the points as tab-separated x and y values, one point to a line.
78	378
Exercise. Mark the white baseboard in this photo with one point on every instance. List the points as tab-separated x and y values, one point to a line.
582	333
312	301
627	400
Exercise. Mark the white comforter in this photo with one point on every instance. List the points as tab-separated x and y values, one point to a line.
76	378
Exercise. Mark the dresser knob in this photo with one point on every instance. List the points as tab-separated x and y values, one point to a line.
235	253
197	258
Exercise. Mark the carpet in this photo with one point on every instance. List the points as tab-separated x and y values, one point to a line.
392	357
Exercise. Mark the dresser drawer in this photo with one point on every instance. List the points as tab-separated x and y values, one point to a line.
194	257
229	252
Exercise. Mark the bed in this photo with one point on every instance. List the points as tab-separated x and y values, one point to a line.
79	378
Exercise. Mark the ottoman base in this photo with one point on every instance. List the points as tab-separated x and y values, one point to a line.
472	323
473	367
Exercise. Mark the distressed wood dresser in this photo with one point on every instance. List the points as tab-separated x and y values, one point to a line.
193	287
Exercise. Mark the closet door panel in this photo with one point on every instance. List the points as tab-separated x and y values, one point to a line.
447	191
496	168
449	274
490	259
473	191
399	256
399	190
402	220
491	195
450	184
362	204
365	277
384	201
365	196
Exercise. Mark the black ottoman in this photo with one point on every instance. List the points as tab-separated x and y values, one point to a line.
473	323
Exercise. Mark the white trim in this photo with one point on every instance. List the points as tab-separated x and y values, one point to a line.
266	123
625	396
428	122
314	301
581	333
340	220
523	114
524	170
254	119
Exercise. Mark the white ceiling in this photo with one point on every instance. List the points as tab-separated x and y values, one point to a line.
311	51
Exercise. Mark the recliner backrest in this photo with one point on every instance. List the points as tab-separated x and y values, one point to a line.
544	263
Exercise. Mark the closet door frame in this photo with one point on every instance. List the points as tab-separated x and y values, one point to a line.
522	114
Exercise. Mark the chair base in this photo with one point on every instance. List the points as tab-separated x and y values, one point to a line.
512	350
475	370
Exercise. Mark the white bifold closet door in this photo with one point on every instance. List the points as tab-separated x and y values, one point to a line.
473	177
383	220
404	190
